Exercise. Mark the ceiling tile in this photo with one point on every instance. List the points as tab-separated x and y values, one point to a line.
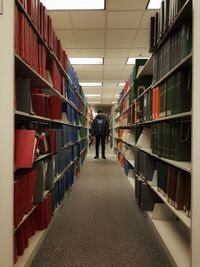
145	23
108	96
142	39
124	19
113	67
117	52
108	91
73	52
139	52
126	4
120	38
60	19
88	19
107	101
112	75
92	90
94	75
92	52
109	85
114	61
68	38
93	67
90	38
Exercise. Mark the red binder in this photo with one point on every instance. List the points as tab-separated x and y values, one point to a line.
25	144
38	101
56	107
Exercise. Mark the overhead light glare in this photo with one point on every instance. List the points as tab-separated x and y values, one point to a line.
94	102
154	4
90	84
121	84
74	5
131	60
86	60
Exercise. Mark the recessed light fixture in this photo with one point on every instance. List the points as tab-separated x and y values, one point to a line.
86	60
90	84
121	84
154	4
91	95
74	5
131	60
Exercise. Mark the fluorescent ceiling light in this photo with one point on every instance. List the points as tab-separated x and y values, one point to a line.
154	4
116	95
91	95
86	61
121	84
131	60
90	84
74	4
114	102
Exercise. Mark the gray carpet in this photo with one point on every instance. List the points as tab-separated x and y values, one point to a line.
100	224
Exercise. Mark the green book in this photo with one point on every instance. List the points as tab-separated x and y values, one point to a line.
185	40
159	139
182	141
162	174
182	96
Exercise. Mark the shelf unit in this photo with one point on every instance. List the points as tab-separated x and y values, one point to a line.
185	166
25	71
172	233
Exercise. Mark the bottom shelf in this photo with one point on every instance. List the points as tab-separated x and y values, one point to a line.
35	243
174	238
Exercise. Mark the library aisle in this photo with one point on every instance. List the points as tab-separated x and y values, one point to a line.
100	223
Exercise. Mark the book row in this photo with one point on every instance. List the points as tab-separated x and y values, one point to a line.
40	217
127	151
163	19
73	98
172	97
139	63
172	140
29	48
172	183
30	185
176	48
27	45
30	144
127	135
35	101
43	23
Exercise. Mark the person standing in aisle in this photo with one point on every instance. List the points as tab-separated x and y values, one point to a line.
100	129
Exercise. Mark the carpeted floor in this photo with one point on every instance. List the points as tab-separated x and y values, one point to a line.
100	224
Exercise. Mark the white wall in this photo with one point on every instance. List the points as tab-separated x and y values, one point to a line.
6	132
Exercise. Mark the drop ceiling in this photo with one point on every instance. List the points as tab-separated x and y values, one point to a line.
119	32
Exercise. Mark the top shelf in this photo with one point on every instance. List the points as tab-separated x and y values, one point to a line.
185	13
147	69
49	52
26	71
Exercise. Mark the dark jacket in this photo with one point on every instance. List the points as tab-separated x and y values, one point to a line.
100	126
